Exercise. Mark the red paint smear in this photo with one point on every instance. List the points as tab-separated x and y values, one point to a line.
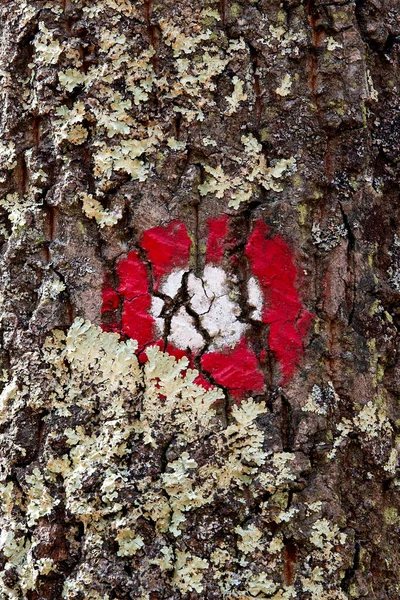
110	300
136	321
263	355
175	352
237	369
110	296
110	306
201	380
113	327
133	286
166	247
133	280
272	262
216	244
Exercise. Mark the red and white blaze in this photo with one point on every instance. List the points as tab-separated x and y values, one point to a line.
161	301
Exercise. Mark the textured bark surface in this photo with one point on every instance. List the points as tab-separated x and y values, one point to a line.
218	181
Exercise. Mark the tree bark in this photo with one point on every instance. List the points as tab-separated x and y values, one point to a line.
200	283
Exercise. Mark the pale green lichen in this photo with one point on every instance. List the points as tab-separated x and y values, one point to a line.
285	86
48	49
40	502
375	430
125	405
94	210
249	538
7	158
253	170
69	126
238	95
114	90
71	78
188	572
17	208
332	44
128	542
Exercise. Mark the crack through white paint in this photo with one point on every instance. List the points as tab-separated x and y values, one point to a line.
184	333
210	299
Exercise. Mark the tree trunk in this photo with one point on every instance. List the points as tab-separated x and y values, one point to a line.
200	281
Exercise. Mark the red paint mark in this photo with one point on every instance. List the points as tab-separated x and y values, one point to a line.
175	352
110	299
201	380
114	327
134	289
216	244
136	321
272	262
237	369
167	248
263	355
110	306
133	280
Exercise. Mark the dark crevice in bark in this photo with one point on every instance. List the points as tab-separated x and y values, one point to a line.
287	430
177	125
350	572
37	121
223	7
351	285
290	554
22	175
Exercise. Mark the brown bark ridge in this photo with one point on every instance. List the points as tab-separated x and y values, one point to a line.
253	451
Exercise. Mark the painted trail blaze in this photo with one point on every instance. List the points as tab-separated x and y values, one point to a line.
160	300
166	248
272	262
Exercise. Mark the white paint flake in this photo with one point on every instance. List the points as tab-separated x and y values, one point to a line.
200	301
255	298
172	283
157	304
184	333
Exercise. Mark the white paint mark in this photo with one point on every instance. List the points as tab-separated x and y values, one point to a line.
255	298
157	304
222	324
220	320
199	300
209	298
172	284
183	332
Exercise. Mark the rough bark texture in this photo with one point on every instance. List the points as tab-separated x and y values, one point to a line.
219	179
